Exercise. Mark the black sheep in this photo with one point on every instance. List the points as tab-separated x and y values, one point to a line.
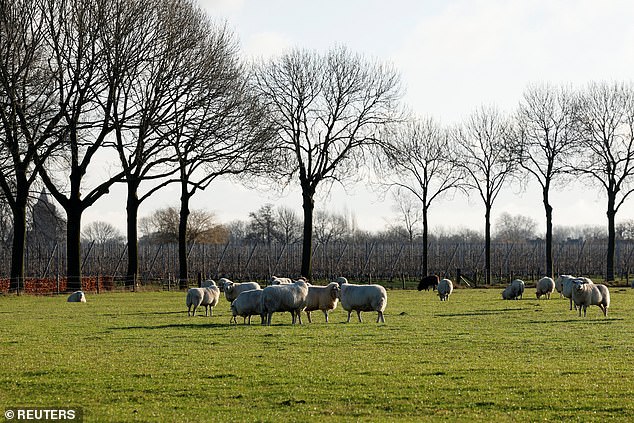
427	282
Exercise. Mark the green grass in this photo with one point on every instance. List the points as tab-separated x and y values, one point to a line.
138	357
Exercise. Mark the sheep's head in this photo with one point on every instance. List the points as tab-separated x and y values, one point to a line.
334	290
229	287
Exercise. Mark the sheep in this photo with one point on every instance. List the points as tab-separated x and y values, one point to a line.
514	291
427	282
77	297
222	282
341	280
545	286
566	282
322	298
233	289
207	283
248	303
445	288
206	297
286	297
586	294
363	298
279	281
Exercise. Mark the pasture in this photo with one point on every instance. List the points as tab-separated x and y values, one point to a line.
138	357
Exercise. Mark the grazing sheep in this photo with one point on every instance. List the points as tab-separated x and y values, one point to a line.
545	286
427	282
279	281
586	294
233	289
286	297
248	303
363	298
445	288
77	297
322	298
206	297
514	291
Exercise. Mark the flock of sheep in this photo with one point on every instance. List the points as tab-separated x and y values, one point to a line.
581	291
249	299
285	295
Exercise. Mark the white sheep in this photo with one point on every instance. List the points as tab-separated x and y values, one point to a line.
286	297
322	298
363	298
445	288
206	297
545	286
585	294
566	282
280	281
233	289
77	297
514	291
208	282
248	303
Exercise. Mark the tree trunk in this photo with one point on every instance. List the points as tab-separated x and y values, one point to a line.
19	244
308	205
487	245
549	234
73	246
609	276
132	209
425	242
182	238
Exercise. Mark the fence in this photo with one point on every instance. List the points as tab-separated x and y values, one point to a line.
398	263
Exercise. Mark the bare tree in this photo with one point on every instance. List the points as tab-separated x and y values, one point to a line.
29	111
329	109
162	226
518	228
330	227
421	159
546	120
606	118
485	145
263	225
289	225
101	233
410	214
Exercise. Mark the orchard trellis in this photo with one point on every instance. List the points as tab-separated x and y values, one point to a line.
397	264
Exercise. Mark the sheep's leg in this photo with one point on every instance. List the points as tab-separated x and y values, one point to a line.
308	315
359	315
211	311
380	318
570	303
299	316
326	315
268	318
194	312
349	314
189	309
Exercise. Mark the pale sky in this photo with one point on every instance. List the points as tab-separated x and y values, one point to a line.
453	57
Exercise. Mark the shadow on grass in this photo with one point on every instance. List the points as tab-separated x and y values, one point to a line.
592	320
174	325
481	312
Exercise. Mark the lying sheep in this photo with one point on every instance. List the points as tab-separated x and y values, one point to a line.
233	289
285	297
363	298
206	297
77	297
248	303
514	291
586	294
322	298
545	286
427	282
445	288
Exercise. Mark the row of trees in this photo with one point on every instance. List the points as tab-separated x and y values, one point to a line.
163	89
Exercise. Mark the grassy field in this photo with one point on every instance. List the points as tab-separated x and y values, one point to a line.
138	357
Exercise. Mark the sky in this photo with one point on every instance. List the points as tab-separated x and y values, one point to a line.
454	56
